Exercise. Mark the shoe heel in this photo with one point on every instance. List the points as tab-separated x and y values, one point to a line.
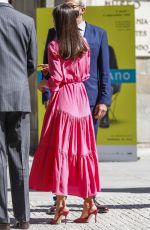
65	219
65	215
91	214
95	213
95	217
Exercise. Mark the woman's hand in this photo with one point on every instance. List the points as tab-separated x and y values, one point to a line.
45	69
42	84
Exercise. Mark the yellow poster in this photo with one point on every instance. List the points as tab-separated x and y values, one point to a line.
117	139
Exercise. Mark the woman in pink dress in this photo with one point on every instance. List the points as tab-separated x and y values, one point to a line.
66	162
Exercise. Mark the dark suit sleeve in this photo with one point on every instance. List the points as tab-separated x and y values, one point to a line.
32	51
50	37
104	96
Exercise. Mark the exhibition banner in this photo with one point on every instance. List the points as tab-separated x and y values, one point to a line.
44	21
142	22
117	141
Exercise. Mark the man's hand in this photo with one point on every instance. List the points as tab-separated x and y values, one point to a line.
45	69
100	111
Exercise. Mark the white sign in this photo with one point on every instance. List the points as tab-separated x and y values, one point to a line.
49	3
142	22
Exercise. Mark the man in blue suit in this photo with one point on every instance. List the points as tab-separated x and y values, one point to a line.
98	86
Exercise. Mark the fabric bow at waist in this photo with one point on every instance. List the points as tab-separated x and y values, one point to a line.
68	83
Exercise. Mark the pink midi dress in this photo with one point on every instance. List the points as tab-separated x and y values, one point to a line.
66	161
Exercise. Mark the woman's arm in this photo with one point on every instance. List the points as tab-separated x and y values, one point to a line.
55	70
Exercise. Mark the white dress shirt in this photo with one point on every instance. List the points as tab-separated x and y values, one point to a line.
82	27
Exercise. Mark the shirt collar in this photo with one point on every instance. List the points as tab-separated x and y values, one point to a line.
82	26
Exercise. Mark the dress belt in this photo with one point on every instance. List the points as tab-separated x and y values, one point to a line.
67	83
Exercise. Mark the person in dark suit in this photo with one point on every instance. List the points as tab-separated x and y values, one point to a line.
98	86
17	62
115	88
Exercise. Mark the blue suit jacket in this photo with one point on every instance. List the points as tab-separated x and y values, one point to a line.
98	86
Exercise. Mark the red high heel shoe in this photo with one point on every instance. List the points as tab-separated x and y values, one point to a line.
61	213
87	219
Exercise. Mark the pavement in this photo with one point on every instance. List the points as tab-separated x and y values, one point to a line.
126	192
